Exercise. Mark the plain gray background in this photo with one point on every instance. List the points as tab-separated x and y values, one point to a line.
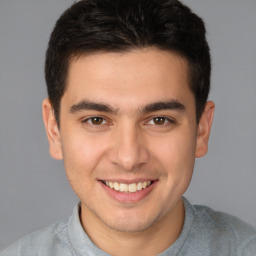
34	191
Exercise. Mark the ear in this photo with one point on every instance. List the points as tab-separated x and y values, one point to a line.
52	130
204	128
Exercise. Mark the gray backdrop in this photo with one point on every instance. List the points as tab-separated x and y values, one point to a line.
33	187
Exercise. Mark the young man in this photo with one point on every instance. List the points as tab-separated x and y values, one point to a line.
128	83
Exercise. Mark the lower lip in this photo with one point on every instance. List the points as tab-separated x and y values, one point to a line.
123	197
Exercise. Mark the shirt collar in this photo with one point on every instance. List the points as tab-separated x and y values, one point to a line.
83	245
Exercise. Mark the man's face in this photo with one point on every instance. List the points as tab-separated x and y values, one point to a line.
128	120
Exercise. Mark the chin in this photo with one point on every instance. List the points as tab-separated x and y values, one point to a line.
130	223
129	226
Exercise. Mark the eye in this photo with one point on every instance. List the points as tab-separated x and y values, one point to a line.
159	120
95	120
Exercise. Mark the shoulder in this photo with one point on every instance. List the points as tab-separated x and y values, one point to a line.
222	221
222	230
48	241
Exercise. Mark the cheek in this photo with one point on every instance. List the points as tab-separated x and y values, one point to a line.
176	155
81	154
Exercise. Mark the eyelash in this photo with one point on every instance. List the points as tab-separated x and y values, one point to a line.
167	121
89	121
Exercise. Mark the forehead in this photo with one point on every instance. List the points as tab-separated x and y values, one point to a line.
130	78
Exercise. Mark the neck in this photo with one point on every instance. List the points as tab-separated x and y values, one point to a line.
152	241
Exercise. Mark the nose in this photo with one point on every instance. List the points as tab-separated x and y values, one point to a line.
129	148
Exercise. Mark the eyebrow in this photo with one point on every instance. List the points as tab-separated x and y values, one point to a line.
166	105
102	107
88	105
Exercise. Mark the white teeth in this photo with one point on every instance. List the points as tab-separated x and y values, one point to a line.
144	184
128	188
132	187
111	184
116	186
123	187
139	186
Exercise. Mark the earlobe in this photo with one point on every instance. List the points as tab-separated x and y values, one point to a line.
204	129
52	130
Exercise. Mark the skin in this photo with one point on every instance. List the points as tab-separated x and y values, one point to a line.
129	143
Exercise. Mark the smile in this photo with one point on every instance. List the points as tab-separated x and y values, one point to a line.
127	188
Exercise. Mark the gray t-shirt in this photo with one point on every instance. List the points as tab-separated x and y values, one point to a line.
205	232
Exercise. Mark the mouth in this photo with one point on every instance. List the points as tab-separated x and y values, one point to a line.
128	192
128	188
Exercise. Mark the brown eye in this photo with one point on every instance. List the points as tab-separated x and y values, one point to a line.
97	120
159	120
